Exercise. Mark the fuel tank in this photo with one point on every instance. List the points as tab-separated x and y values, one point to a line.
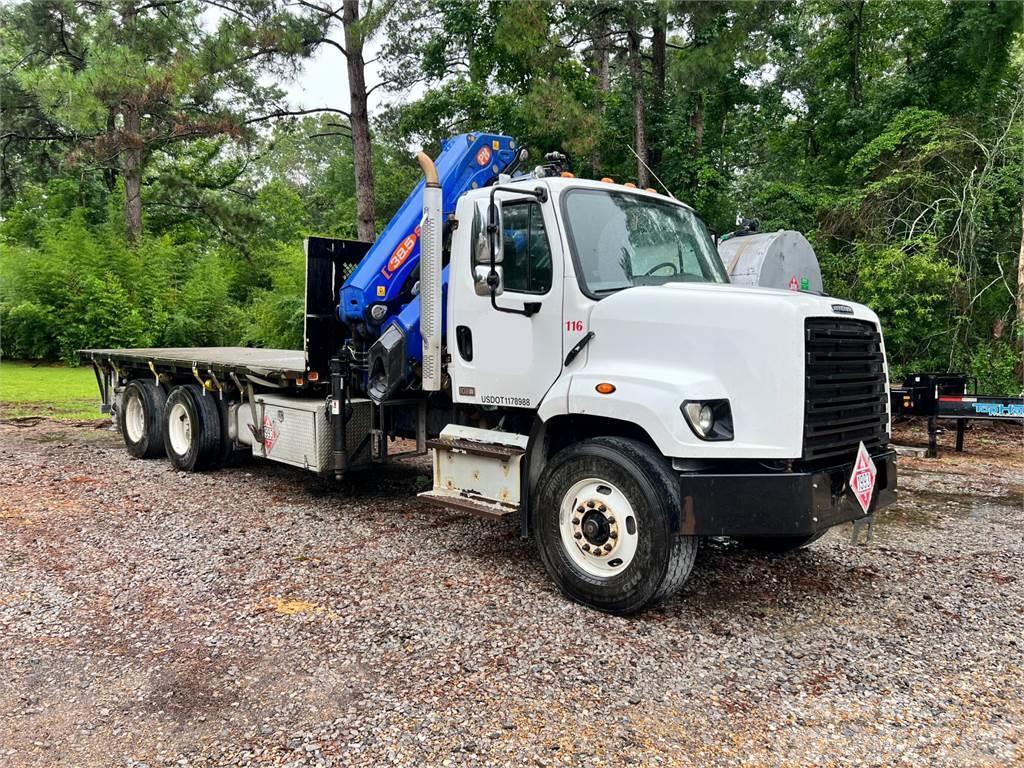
782	259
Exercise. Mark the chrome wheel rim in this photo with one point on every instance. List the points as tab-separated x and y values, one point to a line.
179	429
599	528
134	419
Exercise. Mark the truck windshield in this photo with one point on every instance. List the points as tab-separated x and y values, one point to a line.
621	240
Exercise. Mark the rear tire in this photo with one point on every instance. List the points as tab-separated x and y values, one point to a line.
192	429
141	419
619	554
779	545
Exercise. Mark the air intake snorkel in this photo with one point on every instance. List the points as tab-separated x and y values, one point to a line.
430	274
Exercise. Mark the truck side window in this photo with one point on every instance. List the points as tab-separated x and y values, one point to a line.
527	252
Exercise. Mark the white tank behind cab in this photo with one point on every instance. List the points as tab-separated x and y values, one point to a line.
782	259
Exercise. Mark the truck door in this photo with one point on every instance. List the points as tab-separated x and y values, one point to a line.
499	358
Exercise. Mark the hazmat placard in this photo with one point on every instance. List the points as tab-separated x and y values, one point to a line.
862	481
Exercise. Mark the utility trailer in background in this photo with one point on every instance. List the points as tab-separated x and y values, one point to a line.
945	396
572	353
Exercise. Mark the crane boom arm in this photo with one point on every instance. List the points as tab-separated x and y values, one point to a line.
383	276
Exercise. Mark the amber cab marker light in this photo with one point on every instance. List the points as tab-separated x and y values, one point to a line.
630	184
605	388
607	180
313	376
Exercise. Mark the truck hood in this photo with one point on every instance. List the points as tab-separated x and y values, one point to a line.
661	345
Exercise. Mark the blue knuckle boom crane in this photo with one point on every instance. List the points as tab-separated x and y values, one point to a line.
379	303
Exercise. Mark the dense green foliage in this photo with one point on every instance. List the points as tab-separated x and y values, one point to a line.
889	132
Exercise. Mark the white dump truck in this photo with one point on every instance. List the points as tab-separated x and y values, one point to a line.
573	354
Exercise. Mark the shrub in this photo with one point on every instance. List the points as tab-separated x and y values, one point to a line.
28	331
275	316
101	314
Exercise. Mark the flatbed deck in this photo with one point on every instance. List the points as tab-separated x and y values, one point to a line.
269	364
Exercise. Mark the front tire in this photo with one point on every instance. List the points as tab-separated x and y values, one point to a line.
141	419
192	429
604	525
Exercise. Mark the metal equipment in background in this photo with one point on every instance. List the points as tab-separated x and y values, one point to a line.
782	259
946	396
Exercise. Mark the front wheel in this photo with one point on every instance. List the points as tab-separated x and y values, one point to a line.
604	525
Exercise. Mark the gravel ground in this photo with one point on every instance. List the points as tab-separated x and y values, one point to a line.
258	617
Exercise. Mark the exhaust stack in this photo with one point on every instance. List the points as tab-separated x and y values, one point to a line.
430	275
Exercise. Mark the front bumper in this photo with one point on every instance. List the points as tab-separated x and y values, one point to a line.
779	503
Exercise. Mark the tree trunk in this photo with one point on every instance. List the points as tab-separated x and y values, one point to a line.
359	121
131	170
639	117
600	70
110	171
699	22
659	46
697	122
131	145
856	91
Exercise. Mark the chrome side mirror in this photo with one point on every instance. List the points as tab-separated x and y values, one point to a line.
487	245
480	275
487	231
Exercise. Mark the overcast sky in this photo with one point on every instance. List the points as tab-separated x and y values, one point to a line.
323	78
323	81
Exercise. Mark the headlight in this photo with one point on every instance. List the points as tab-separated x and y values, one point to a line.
709	419
705	419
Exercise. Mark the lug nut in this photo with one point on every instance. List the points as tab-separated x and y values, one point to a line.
601	508
581	509
591	504
586	547
607	547
613	534
575	521
578	535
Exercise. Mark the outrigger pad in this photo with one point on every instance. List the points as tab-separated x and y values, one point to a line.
386	364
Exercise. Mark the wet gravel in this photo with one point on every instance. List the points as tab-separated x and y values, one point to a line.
256	616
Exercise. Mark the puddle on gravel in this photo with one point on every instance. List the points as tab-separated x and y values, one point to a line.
933	509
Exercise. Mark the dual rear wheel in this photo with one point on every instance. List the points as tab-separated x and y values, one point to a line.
141	419
188	427
193	436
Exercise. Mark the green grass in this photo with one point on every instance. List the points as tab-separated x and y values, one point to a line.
52	391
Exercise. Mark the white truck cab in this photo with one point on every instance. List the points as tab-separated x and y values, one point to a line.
637	272
609	315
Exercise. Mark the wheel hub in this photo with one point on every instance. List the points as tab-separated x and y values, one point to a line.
179	429
134	419
598	528
595	528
